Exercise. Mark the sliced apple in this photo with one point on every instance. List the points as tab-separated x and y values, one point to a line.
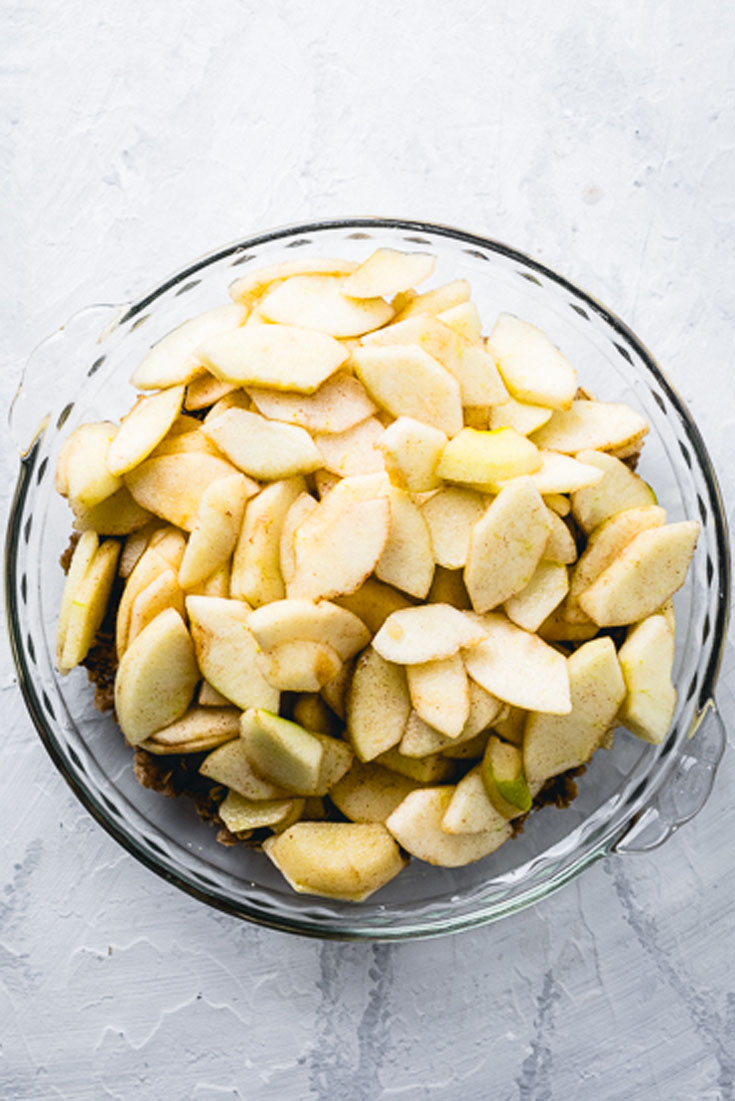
411	452
420	739
342	860
143	428
407	560
251	286
428	770
173	360
464	319
354	451
552	744
319	302
116	515
281	751
302	507
134	547
487	459
369	792
242	815
226	651
181	442
520	415
440	694
451	515
406	381
519	667
470	810
647	659
373	602
276	357
81	471
210	697
448	587
562	474
595	425
428	632
172	486
378	705
511	726
556	628
386	272
649	570
205	390
310	711
532	368
156	678
340	403
229	765
162	592
544	592
504	779
264	449
285	620
620	489
435	301
81	560
216	529
200	729
558	503
217	584
334	692
87	602
417	826
164	551
256	565
506	545
299	665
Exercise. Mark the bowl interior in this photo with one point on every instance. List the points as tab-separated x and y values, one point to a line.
91	383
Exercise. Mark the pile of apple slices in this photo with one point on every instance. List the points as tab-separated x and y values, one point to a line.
370	564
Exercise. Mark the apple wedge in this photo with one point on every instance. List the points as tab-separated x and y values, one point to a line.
416	825
407	559
620	489
464	319
319	302
519	668
172	486
299	665
373	602
310	711
520	415
281	751
200	729
532	368
250	287
354	451
440	694
386	272
560	546
369	792
264	449
229	765
285	620
134	546
162	592
216	529
143	428
551	743
298	510
173	360
256	564
562	474
433	769
340	403
341	860
276	357
156	678
428	632
649	570
504	779
241	815
378	705
205	390
435	301
469	810
406	381
544	592
451	515
591	425
81	470
506	545
81	560
226	651
647	659
116	515
411	452
487	459
164	552
87	602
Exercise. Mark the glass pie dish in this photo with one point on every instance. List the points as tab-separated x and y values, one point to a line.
631	797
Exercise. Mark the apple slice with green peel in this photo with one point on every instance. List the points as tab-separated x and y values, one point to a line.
319	302
302	507
342	860
386	272
464	319
251	286
504	779
173	360
340	403
647	659
88	603
470	809
373	602
451	515
256	564
532	368
81	469
560	546
226	651
435	301
285	620
520	415
378	705
426	770
229	765
156	678
299	665
562	474
448	587
552	744
264	449
591	425
216	529
619	490
486	459
171	486
200	729
162	592
205	390
428	632
242	815
406	381
116	515
603	546
282	751
519	668
143	429
369	792
411	452
355	451
336	548
275	357
417	826
440	694
506	545
407	559
81	560
648	570
544	592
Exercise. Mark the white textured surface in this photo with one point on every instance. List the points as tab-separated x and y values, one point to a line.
598	137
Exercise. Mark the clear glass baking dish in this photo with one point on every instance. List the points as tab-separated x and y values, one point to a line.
631	798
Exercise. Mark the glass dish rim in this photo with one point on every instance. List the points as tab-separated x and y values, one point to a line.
494	910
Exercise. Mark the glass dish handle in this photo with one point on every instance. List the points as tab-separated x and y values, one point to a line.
67	355
685	791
